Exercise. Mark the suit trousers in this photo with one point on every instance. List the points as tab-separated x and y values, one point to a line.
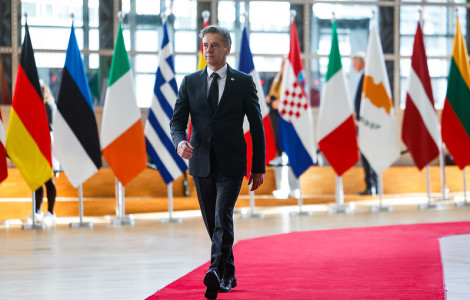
217	195
370	175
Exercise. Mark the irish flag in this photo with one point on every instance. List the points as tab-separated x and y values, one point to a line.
378	132
455	115
420	130
336	130
122	132
28	141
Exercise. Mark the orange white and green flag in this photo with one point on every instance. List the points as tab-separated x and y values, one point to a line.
378	130
455	121
28	141
122	131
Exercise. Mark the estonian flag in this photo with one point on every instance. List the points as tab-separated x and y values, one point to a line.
76	142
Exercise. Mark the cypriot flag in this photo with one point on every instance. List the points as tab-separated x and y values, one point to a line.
378	132
122	131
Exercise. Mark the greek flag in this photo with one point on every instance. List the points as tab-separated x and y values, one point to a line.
157	131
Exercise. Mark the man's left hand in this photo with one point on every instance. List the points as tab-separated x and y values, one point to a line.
256	179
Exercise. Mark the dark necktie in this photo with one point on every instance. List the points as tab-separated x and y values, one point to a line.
214	92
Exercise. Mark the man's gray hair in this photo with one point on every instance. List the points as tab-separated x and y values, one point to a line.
360	55
220	30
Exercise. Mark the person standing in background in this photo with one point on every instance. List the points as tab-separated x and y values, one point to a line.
50	217
272	98
370	176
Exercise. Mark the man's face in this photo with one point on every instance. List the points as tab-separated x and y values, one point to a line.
358	64
214	51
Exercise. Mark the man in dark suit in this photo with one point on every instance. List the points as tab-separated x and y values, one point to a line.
370	175
218	98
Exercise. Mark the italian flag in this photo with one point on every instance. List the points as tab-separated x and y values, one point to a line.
455	120
122	132
336	130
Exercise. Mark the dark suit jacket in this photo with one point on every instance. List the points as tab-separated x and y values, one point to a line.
224	129
357	99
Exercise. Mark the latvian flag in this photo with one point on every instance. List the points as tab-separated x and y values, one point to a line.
420	130
28	141
76	141
455	115
296	120
247	66
122	131
336	128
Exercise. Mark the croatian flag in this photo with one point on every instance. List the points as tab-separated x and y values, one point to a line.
247	66
157	132
296	120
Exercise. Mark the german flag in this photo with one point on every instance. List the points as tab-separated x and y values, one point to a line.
28	141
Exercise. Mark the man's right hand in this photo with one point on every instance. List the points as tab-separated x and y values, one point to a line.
185	150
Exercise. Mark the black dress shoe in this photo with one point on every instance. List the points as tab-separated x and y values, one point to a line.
227	284
366	192
212	282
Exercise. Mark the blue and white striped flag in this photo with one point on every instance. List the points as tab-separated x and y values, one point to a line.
157	131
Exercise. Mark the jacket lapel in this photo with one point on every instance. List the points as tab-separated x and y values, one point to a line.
203	97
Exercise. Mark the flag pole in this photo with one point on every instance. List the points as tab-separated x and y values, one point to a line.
34	225
170	207
252	213
429	205
464	203
380	207
300	203
442	160
339	206
80	211
121	217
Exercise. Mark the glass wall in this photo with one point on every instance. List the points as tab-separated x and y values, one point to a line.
268	22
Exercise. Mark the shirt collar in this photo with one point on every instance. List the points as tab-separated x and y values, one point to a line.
222	71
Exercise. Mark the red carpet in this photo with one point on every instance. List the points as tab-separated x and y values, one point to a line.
392	262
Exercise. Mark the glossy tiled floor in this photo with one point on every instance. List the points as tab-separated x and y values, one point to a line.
126	262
